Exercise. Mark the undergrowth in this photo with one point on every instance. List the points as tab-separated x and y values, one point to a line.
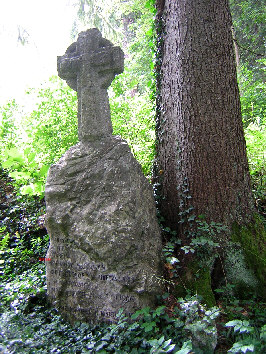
29	324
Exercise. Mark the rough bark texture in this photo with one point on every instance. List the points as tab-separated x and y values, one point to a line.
199	128
201	150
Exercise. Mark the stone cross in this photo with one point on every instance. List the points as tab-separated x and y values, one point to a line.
105	242
89	66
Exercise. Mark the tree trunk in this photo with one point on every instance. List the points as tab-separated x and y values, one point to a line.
201	150
200	134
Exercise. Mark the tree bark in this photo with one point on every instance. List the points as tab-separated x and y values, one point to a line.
201	163
200	138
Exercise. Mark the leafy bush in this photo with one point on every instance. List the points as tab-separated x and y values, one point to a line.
132	118
33	326
23	238
8	128
252	95
47	132
242	323
17	289
256	147
246	340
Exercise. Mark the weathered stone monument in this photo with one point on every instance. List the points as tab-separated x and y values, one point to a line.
105	242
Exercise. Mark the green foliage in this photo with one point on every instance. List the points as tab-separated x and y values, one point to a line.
206	239
17	290
132	118
24	169
249	19
8	128
256	147
241	326
200	324
100	14
161	345
47	132
52	126
22	241
169	252
252	94
246	338
32	325
256	144
242	323
17	256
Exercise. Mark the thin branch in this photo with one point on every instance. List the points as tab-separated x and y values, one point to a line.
248	50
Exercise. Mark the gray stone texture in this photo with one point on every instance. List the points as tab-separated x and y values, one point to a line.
89	66
105	243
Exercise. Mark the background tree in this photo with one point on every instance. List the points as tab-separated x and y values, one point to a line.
249	20
201	151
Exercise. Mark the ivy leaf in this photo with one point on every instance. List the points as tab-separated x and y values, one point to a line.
241	347
171	348
192	218
161	340
174	260
149	326
167	343
187	249
159	311
186	348
241	326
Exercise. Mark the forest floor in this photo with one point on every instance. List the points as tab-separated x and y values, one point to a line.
29	324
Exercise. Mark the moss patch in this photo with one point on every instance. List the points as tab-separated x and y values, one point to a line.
252	239
238	273
198	280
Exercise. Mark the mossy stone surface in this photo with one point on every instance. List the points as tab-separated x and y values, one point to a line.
252	238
